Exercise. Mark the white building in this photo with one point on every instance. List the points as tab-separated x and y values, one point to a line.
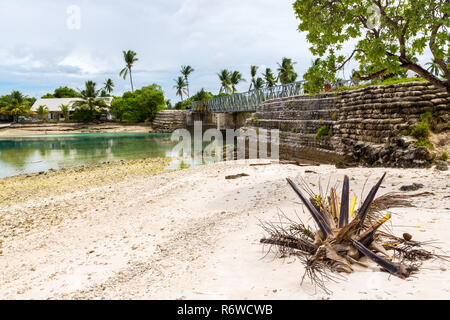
54	106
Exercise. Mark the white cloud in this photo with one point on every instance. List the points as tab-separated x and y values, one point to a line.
40	53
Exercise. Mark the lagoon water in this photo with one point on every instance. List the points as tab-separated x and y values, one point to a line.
40	153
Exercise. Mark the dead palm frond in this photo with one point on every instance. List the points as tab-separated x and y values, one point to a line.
345	234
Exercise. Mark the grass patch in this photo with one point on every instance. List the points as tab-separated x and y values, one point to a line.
444	156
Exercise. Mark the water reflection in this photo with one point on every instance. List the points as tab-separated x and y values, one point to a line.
40	153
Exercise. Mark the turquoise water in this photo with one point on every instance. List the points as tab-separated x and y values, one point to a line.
40	153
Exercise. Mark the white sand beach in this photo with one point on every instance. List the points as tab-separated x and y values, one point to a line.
192	234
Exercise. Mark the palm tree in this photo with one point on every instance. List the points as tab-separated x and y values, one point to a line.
434	68
186	71
89	98
225	80
235	79
65	111
130	58
109	86
42	112
17	105
259	84
253	72
286	72
269	77
180	86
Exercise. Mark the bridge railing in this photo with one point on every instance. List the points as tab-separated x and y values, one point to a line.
251	100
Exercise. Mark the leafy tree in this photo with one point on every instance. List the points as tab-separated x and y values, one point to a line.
16	105
235	79
253	72
90	103
65	111
388	35
286	72
62	92
434	68
139	106
259	84
130	58
180	86
186	72
109	86
269	77
42	112
225	80
202	95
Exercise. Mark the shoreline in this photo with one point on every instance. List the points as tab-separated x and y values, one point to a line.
132	230
24	130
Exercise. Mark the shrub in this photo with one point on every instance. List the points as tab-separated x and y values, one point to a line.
323	131
83	115
444	156
421	131
423	142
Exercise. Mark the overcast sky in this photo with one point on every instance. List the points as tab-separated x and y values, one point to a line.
43	48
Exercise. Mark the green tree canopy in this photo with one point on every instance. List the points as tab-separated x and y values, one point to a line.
388	36
42	112
235	79
225	81
186	72
130	58
269	77
180	86
108	86
16	105
141	105
90	103
62	92
286	72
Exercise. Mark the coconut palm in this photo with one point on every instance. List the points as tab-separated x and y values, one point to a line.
89	98
434	68
109	86
42	112
253	72
286	72
186	72
17	105
235	79
259	84
269	77
130	58
65	111
225	80
180	86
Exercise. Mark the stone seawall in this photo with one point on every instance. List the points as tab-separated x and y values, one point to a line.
169	121
364	124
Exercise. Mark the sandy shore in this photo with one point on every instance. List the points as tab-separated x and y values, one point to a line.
66	128
124	232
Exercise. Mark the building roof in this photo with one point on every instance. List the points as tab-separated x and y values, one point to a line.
54	104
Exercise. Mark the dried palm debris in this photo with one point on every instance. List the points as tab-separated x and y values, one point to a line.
345	235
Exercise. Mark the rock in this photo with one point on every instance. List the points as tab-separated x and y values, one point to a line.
407	236
441	166
413	187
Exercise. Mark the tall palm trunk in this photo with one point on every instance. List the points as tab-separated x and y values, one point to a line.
187	87
131	80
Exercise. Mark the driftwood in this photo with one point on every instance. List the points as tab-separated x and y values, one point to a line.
284	162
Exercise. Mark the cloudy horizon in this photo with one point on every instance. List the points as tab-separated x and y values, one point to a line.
42	50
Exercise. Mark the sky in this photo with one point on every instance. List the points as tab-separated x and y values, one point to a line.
47	43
